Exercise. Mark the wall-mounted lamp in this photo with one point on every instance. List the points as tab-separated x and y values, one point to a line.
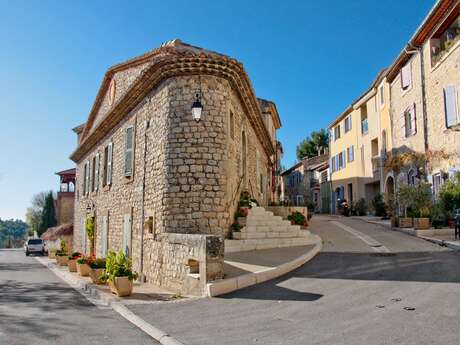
197	108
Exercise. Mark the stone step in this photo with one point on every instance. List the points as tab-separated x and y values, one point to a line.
263	228
272	234
256	218
267	243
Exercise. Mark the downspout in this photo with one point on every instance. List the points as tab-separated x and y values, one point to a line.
141	266
419	50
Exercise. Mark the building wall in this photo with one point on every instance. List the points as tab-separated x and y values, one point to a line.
441	138
192	171
402	100
65	207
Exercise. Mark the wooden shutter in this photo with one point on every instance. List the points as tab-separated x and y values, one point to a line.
129	150
413	120
96	175
87	177
331	134
109	163
450	105
127	234
403	125
344	154
105	235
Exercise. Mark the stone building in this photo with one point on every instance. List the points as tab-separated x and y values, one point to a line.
65	197
302	182
164	186
424	95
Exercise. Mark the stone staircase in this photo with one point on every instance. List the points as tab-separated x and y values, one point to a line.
263	230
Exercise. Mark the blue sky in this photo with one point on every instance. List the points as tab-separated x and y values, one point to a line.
311	57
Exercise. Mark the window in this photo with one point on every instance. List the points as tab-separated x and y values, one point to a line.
384	140
406	76
84	180
96	172
437	182
129	151
445	38
350	192
107	174
382	95
348	124
232	126
450	106
409	120
350	154
93	174
337	132
364	124
87	180
411	177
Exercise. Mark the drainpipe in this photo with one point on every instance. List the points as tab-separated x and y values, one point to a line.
419	50
141	266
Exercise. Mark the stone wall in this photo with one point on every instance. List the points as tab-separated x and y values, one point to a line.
439	136
191	172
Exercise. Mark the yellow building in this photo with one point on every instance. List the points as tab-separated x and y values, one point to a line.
359	140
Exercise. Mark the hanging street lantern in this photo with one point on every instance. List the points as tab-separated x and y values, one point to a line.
197	108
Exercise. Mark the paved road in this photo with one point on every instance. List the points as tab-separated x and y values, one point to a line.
351	294
36	307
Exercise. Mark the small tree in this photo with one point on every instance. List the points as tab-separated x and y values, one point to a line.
379	206
48	216
449	195
415	199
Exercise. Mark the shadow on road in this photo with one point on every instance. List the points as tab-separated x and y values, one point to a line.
435	267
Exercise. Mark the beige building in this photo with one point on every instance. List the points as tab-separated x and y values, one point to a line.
161	183
359	140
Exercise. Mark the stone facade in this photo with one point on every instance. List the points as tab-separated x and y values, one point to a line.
187	175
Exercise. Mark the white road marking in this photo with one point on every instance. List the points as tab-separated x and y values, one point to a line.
375	245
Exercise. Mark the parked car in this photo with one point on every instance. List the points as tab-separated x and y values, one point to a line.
34	245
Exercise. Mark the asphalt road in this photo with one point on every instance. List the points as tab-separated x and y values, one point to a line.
401	291
37	308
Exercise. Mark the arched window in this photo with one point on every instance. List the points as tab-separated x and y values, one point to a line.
411	177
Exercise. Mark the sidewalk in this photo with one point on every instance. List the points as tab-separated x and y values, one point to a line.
101	296
243	269
444	237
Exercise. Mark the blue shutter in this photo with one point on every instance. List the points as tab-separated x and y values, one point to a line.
450	105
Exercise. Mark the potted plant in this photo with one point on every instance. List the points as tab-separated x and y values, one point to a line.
72	261
61	255
52	253
97	270
422	203
406	195
297	218
90	228
83	265
119	273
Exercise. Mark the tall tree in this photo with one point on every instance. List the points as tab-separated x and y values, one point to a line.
34	212
48	216
316	142
12	232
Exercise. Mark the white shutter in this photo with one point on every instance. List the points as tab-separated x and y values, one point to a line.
331	134
109	164
450	105
87	177
344	154
406	77
127	234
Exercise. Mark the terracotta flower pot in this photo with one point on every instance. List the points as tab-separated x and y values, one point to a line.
62	260
83	269
121	286
405	222
96	274
422	223
72	265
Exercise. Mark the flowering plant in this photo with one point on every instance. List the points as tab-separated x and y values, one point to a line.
118	265
74	255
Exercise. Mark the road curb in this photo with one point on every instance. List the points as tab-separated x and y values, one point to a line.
224	286
113	302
